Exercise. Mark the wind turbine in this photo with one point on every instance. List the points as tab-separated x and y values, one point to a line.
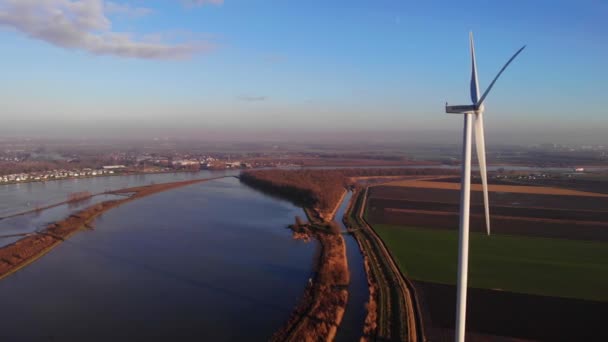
474	110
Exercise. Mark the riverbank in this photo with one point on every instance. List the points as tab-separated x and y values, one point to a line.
320	192
319	313
17	255
393	311
321	308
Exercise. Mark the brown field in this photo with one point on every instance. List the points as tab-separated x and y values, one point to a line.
598	185
593	216
580	225
576	216
500	225
535	321
521	189
565	202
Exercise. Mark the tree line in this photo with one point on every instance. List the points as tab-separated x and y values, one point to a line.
321	188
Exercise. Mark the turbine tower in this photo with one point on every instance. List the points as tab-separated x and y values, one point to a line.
472	111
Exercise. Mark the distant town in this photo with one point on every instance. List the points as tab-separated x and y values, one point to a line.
145	166
38	160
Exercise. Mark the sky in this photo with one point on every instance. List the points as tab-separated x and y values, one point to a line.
263	69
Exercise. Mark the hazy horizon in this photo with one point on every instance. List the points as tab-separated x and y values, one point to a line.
451	137
314	71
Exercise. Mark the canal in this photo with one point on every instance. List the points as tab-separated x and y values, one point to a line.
351	328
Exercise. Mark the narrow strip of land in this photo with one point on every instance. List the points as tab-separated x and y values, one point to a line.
393	309
23	252
320	311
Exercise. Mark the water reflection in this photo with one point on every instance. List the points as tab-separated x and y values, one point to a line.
211	261
20	197
351	328
13	228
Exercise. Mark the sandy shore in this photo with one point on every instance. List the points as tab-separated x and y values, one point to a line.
17	255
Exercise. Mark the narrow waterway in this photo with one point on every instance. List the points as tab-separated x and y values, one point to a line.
351	328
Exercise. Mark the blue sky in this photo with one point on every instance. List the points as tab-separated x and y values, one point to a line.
255	67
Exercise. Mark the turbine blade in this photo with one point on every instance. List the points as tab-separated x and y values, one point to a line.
481	157
483	97
474	81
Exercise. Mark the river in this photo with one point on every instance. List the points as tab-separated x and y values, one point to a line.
210	261
12	227
20	197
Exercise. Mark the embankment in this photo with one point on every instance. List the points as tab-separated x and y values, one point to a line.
321	189
393	308
15	256
320	310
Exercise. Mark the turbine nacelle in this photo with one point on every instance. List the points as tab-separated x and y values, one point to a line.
464	109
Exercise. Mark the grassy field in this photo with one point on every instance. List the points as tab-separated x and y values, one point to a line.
542	266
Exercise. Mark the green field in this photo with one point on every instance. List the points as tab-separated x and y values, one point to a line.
542	266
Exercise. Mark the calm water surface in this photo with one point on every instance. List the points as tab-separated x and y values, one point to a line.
211	261
15	198
38	220
351	328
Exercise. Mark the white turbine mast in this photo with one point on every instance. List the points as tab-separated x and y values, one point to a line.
475	110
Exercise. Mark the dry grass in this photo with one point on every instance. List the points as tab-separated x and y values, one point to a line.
319	313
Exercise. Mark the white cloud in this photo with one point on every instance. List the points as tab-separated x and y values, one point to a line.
84	25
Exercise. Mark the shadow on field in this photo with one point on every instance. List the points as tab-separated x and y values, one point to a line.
514	315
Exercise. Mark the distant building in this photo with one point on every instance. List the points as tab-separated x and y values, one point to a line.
235	164
113	167
185	162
